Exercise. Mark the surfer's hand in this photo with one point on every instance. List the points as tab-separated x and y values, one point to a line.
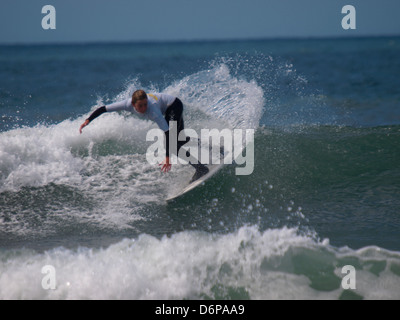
166	166
83	125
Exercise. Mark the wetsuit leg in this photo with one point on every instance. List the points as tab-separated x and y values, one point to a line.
174	113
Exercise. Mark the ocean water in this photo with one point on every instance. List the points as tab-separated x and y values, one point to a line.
325	191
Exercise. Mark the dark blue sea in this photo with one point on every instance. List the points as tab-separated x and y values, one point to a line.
324	193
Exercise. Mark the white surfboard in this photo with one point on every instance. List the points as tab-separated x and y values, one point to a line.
213	170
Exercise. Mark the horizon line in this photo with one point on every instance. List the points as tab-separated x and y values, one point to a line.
194	41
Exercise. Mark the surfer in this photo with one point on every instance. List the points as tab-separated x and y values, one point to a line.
160	108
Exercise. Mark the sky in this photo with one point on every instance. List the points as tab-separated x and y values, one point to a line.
187	20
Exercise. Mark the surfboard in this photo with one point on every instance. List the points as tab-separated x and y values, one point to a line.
213	170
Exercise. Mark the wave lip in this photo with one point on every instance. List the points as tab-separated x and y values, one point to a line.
222	96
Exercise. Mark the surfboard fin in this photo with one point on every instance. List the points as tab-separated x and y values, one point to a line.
201	170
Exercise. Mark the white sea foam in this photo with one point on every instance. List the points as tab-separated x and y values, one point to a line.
190	265
35	156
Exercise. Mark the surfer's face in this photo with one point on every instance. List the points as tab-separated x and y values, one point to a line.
141	106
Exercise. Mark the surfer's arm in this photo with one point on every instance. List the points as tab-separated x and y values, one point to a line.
167	143
166	165
163	125
94	115
117	106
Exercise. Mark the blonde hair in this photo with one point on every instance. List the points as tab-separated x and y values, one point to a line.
138	95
